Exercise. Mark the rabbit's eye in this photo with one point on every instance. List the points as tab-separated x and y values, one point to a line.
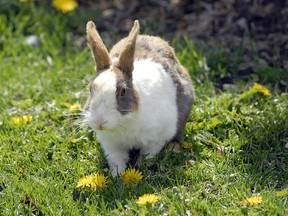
123	92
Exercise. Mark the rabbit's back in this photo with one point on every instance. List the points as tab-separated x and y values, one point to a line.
159	51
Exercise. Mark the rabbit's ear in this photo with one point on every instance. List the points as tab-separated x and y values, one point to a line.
98	48
126	57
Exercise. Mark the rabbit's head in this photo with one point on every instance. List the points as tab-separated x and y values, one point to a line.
113	99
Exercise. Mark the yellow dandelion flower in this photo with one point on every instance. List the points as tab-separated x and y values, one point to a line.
75	106
132	175
262	89
282	193
85	181
100	181
147	199
254	200
93	181
21	120
65	5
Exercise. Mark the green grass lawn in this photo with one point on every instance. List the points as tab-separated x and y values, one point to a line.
236	140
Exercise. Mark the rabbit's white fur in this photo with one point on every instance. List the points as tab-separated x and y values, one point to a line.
143	127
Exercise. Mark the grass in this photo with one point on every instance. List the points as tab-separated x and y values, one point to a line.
235	139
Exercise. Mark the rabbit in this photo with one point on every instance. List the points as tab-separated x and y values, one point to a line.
140	98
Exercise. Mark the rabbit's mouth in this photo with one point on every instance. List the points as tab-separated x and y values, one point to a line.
100	125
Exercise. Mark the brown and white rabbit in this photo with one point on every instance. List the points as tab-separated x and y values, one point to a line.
140	98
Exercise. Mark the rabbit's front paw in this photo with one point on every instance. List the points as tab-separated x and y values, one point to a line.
117	170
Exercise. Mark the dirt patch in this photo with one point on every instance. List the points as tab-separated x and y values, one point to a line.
258	27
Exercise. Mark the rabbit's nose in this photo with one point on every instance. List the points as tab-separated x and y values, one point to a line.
100	124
